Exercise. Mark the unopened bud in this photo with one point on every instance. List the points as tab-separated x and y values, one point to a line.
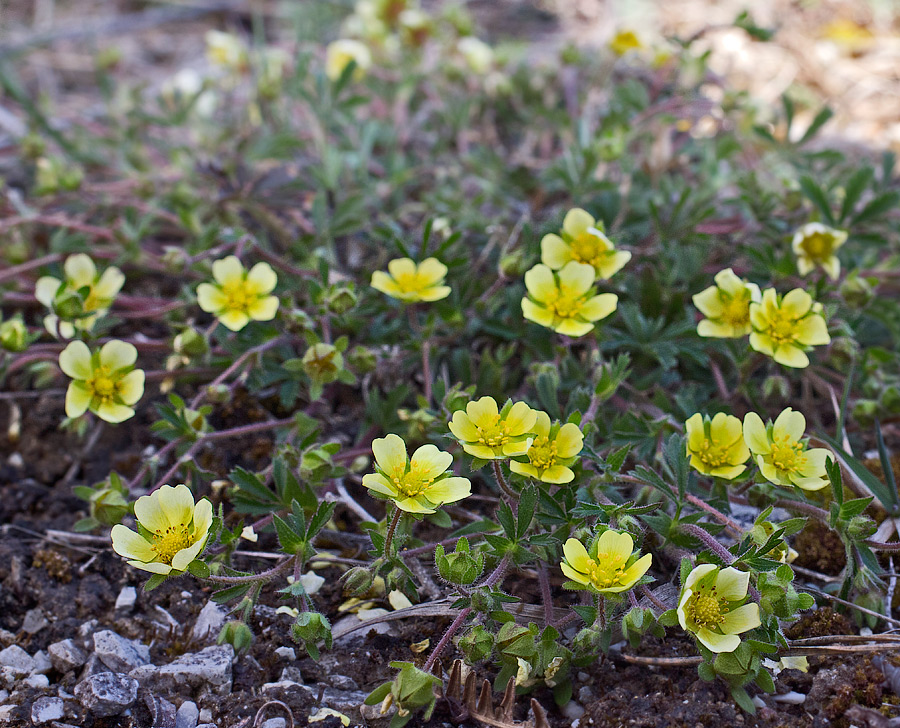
237	634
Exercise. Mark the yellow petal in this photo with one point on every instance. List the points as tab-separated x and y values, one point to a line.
117	354
449	490
110	283
577	277
540	282
401	268
483	412
797	303
176	504
154	567
131	386
573	328
78	399
718	642
696	575
380	484
228	271
812	331
761	343
577	221
576	555
717	330
184	557
203	515
569	440
390	454
434	293
75	360
742	619
726	429
45	290
127	543
233	320
832	267
555	474
520	419
431	271
430	462
616	546
789	424
573	575
791	356
554	252
709	302
262	278
732	584
381	281
411	505
263	309
696	434
148	513
540	315
611	264
80	270
599	307
461	426
636	571
211	298
755	434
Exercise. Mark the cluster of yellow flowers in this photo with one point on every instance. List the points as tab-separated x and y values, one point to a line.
722	445
782	327
106	381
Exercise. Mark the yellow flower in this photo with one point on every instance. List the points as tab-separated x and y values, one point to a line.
783	454
726	306
610	566
491	434
82	279
624	41
784	328
410	282
226	50
418	484
713	607
341	53
583	241
816	244
716	446
172	531
105	382
477	54
565	301
554	448
238	296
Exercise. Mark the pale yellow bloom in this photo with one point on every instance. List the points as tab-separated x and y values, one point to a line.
477	54
489	433
81	276
410	282
239	296
226	50
609	567
582	239
625	41
782	452
816	244
105	382
173	531
713	607
419	484
554	448
565	300
716	446
726	306
784	328
341	53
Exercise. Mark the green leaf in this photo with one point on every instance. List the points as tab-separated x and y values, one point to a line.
854	188
507	520
817	123
378	694
616	459
815	195
706	672
645	475
199	569
743	700
291	541
230	593
587	613
154	581
886	496
886	466
320	518
854	507
527	504
877	207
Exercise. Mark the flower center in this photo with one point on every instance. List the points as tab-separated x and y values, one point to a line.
171	541
410	283
736	310
817	246
542	453
237	295
604	575
411	483
589	248
102	385
564	304
781	327
707	610
495	435
713	454
787	455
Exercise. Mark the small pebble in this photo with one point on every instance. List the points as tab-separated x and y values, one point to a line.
278	722
572	710
205	716
126	599
34	621
187	716
43	710
42	663
286	653
791	698
38	682
17	659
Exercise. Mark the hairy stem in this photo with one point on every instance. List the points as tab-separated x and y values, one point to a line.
390	532
501	481
710	542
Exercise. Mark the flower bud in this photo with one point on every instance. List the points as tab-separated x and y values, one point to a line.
339	299
361	359
237	634
175	259
191	343
310	629
218	394
358	580
513	265
856	292
13	334
460	567
861	527
776	386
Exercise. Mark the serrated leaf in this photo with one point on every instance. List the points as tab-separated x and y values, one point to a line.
291	541
817	123
527	504
817	196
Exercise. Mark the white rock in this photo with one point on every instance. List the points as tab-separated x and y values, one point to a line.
38	682
6	713
17	660
4	694
43	710
210	667
42	663
107	693
791	698
278	722
209	622
34	621
187	715
126	599
205	716
572	710
118	653
66	655
286	653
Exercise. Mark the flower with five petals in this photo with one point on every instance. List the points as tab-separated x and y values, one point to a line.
786	327
582	239
565	300
713	607
409	282
783	454
491	434
104	382
610	566
552	452
239	296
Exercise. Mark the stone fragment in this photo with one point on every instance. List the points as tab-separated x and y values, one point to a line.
15	658
342	682
187	716
37	681
42	663
286	653
65	655
126	599
278	722
107	693
118	653
209	622
34	621
43	710
155	711
209	667
205	716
